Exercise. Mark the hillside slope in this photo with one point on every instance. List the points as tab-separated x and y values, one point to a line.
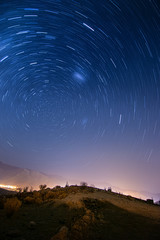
81	213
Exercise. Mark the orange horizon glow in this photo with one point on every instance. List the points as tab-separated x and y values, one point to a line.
8	186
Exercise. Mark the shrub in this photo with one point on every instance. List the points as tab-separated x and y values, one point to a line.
11	206
42	186
84	184
62	195
33	200
49	195
109	189
67	185
129	197
25	189
150	201
20	190
158	202
38	200
36	194
29	200
91	190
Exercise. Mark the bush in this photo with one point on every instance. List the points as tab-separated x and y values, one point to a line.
62	195
158	202
42	186
29	200
38	201
91	190
109	189
67	185
150	201
49	195
84	184
36	194
129	197
20	190
25	189
11	206
32	200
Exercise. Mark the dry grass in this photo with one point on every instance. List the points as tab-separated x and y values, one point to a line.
131	205
85	212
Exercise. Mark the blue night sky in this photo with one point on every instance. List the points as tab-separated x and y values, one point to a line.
80	89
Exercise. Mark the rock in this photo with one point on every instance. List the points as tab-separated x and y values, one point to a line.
61	235
89	217
32	225
80	228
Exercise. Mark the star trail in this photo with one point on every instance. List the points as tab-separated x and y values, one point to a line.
80	88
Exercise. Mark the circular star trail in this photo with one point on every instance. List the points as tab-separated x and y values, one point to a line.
80	75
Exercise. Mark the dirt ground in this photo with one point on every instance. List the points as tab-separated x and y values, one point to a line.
135	206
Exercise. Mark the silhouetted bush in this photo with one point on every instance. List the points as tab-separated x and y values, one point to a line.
67	185
25	189
83	184
150	201
20	190
157	203
11	206
42	186
129	197
109	189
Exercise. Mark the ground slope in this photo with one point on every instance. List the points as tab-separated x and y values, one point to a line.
80	213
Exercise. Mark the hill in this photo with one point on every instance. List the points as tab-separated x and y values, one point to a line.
6	192
21	177
79	213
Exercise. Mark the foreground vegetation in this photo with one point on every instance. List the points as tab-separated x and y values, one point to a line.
77	212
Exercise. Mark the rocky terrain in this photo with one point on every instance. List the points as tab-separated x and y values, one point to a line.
77	212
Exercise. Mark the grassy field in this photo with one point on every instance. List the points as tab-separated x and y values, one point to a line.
77	212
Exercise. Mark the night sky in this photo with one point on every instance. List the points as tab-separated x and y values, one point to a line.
80	89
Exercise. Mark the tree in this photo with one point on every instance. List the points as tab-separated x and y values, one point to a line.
109	189
83	184
67	185
25	189
42	186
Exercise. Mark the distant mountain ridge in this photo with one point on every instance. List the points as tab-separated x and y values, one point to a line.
22	177
6	192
